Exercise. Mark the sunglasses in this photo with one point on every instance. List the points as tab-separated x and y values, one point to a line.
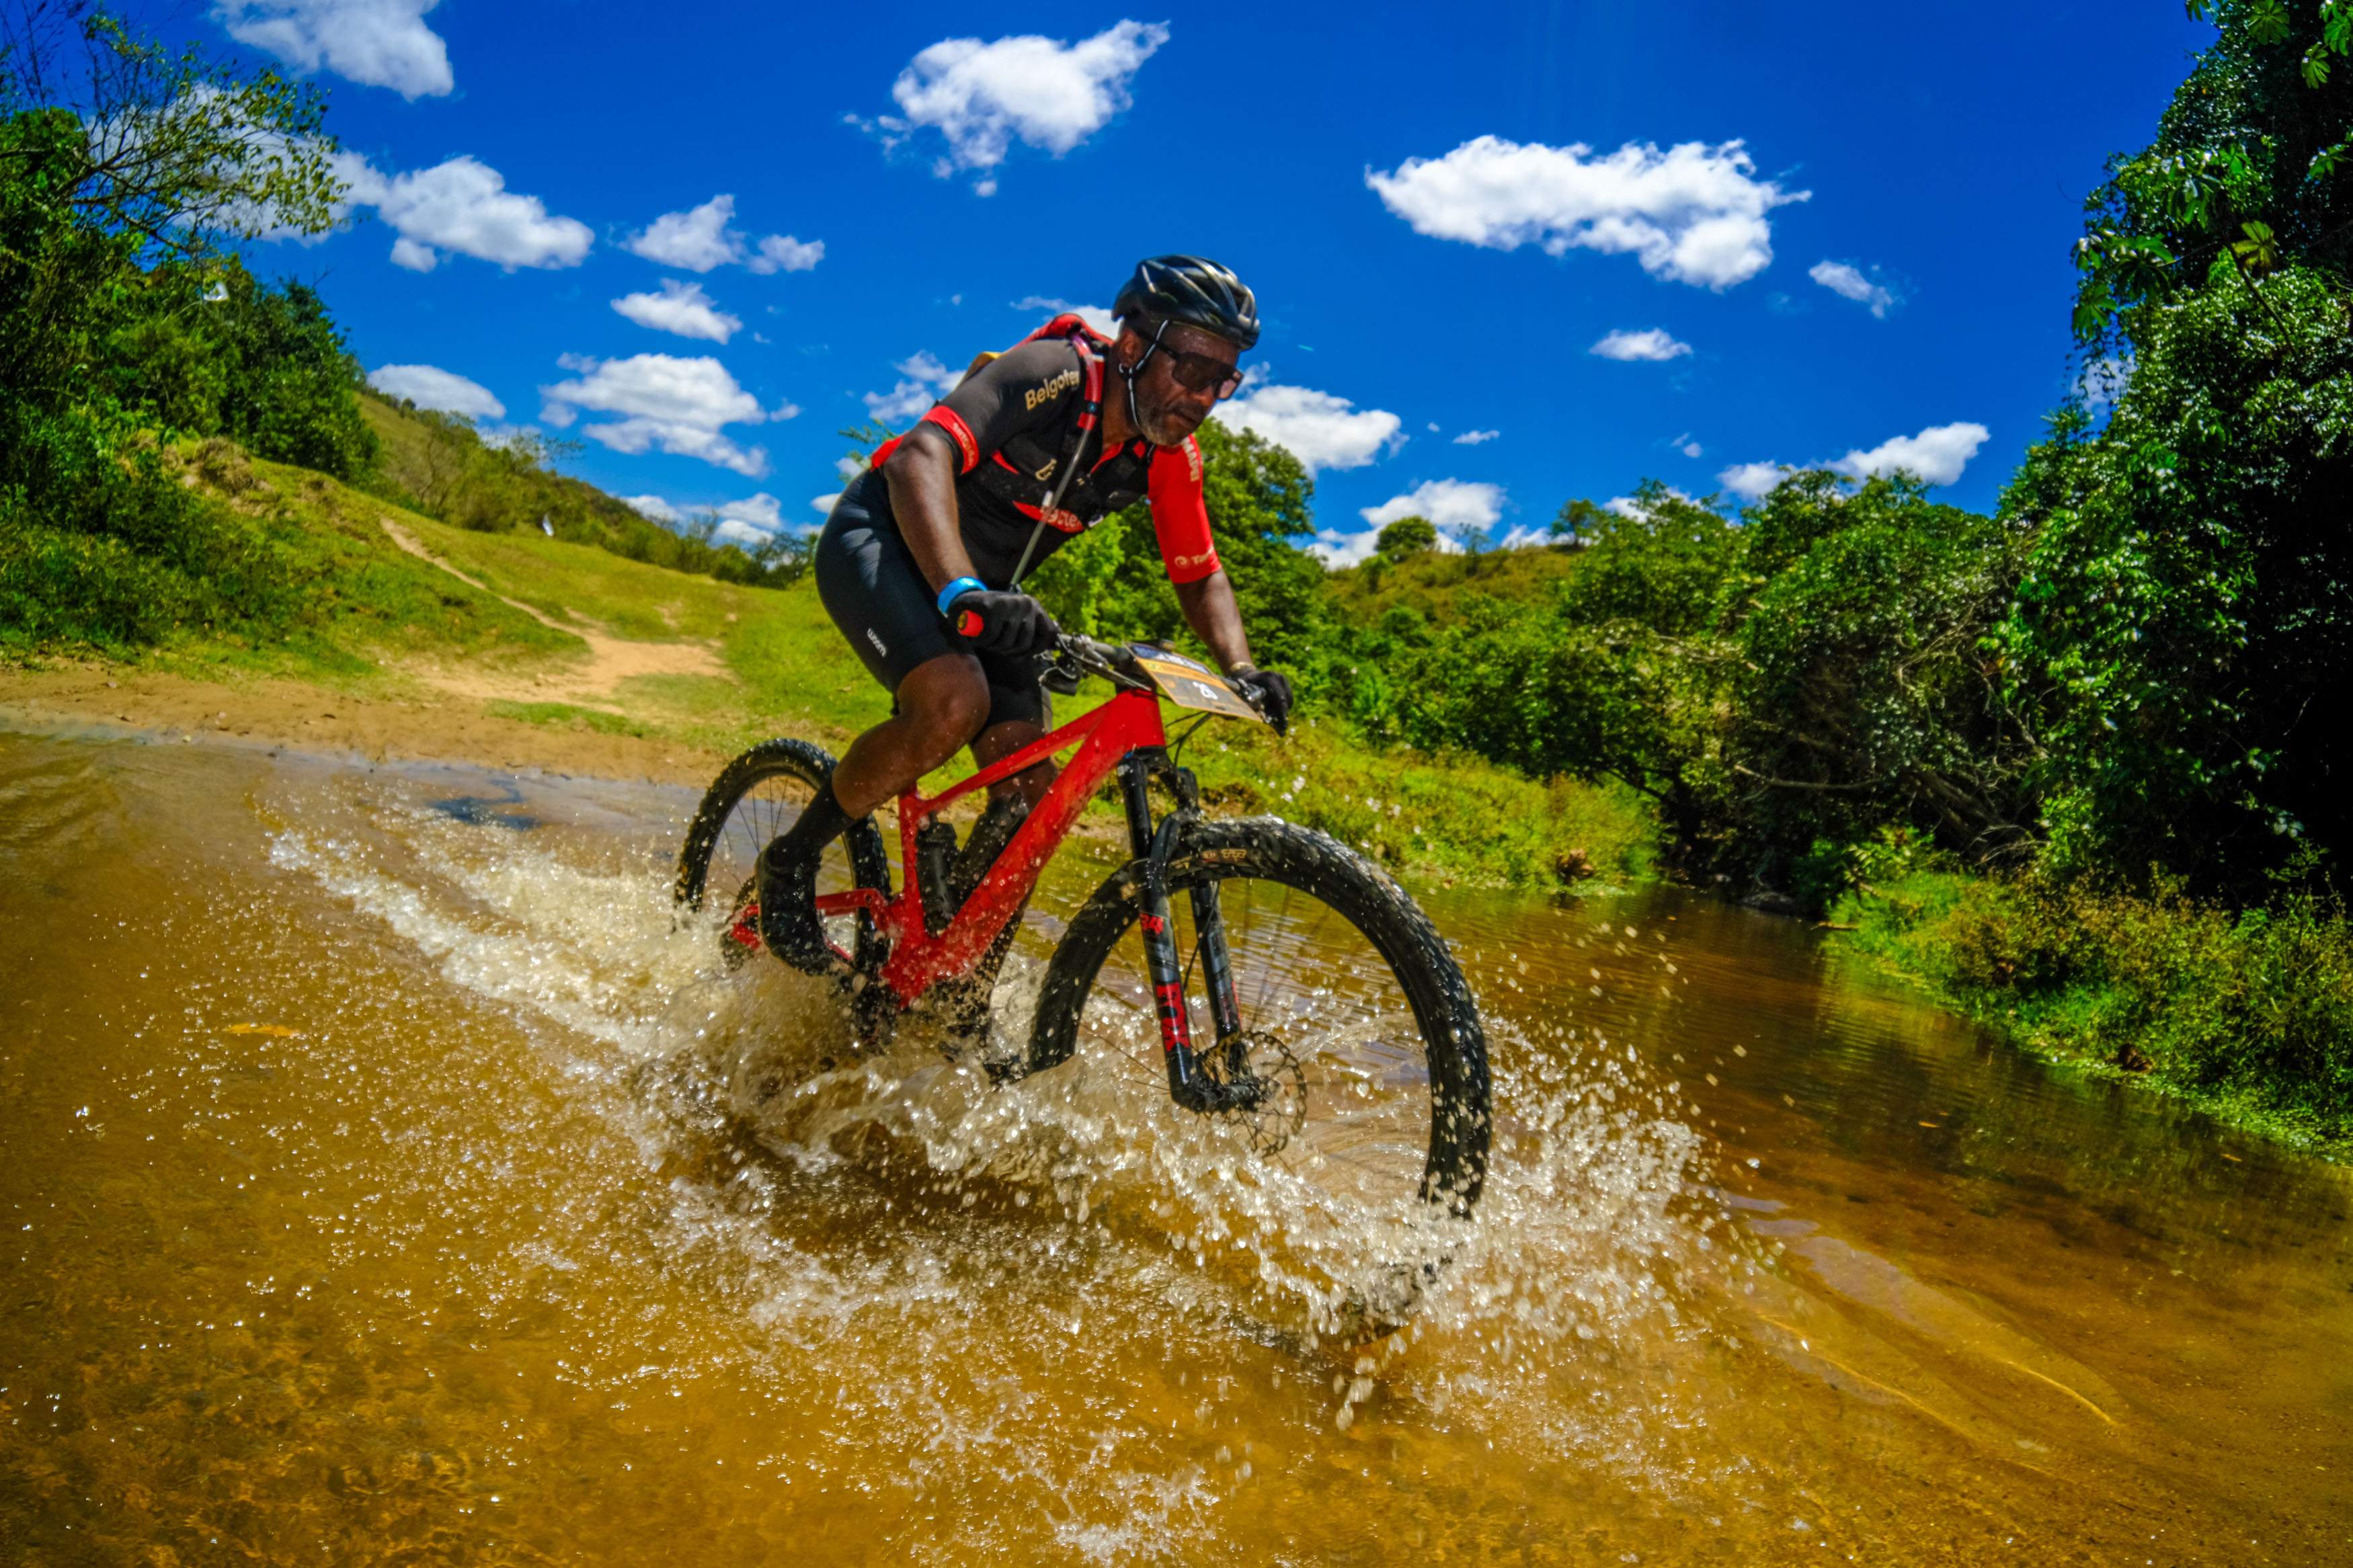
1195	373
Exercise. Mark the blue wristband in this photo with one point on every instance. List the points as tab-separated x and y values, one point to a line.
958	589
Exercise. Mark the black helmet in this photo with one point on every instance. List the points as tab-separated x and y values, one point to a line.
1200	293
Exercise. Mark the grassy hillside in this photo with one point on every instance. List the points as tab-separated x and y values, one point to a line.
1434	584
751	661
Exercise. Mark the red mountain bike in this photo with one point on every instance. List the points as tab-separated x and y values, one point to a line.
1345	1044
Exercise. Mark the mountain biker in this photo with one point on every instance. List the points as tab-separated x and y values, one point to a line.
921	561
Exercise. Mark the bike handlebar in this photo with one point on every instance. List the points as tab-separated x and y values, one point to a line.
1115	663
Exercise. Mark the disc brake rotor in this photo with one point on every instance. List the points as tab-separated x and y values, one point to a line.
1280	1108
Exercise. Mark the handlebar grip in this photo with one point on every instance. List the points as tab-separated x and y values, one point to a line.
967	624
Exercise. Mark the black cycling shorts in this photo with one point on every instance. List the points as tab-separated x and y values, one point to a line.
875	592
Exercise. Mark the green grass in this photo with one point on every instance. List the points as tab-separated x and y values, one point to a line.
372	615
2248	1015
1435	584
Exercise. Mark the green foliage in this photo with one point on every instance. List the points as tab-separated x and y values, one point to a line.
2256	138
439	464
2250	1013
1406	536
206	350
2187	604
1110	582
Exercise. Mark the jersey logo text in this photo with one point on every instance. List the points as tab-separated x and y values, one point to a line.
1048	390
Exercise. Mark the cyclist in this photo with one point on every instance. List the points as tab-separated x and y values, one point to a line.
921	562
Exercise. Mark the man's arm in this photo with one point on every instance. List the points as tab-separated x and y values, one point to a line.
1210	609
921	475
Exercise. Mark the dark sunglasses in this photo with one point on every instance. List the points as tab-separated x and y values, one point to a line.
1195	373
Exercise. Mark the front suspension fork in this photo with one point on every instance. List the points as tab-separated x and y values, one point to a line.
1188	1085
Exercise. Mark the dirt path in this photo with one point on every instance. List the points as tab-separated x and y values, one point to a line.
611	661
99	699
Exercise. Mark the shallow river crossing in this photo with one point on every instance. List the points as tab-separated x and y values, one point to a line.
386	1177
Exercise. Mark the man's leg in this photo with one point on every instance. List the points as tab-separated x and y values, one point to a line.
943	704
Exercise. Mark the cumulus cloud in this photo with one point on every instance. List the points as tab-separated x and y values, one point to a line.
982	97
701	238
1632	506
1339	550
1323	431
665	403
922	380
1937	454
1475	438
462	205
378	43
823	505
1653	343
681	308
431	386
1751	481
1095	316
1848	283
1685	444
654	506
1452	505
783	253
1692	214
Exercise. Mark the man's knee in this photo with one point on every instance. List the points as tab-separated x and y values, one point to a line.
947	701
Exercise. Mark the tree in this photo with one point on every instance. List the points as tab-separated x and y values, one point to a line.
1406	536
2260	134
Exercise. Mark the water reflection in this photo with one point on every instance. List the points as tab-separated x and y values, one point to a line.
382	1186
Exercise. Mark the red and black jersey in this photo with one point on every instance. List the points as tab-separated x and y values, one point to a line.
1011	421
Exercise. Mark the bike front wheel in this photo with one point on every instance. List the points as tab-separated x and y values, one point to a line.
1353	1011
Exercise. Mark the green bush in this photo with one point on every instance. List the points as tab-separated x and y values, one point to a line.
2247	1010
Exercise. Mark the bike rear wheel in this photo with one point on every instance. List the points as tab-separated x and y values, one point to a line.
756	796
1347	993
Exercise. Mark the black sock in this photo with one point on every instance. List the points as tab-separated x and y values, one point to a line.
821	822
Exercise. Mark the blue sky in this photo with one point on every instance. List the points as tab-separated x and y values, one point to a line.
1507	253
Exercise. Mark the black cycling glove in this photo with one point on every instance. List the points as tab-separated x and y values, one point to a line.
1270	690
1001	621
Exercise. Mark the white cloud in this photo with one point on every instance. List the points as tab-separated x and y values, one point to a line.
1685	444
734	531
429	386
1337	550
463	205
681	308
824	504
653	506
1937	454
761	513
1320	430
701	238
378	43
1848	283
666	403
1627	506
1453	505
1692	214
922	380
982	96
1751	481
1653	343
783	253
1473	438
695	240
850	467
1095	316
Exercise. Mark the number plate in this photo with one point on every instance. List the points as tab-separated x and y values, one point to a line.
1188	683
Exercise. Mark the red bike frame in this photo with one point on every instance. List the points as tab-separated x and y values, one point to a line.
918	960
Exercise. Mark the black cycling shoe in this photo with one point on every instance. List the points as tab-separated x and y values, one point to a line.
788	922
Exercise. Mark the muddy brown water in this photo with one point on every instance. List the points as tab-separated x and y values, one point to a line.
385	1179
